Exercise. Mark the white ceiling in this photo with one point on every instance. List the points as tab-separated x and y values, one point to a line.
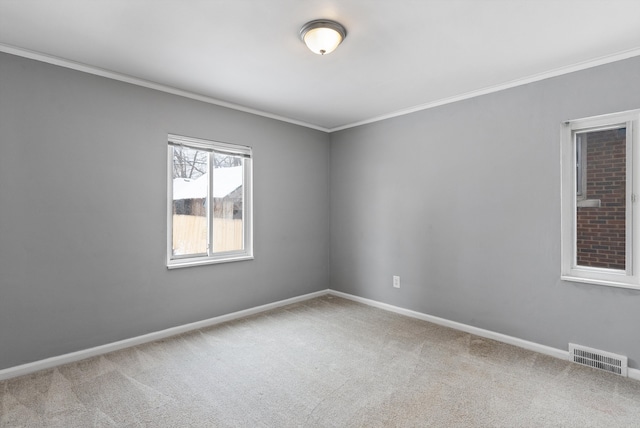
399	55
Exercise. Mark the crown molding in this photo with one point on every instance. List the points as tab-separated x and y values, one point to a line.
495	88
25	53
619	56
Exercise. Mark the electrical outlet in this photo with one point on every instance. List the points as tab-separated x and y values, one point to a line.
396	281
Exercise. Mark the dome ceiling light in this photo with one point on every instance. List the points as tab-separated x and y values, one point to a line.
322	36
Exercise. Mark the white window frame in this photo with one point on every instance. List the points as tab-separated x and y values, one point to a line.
581	167
630	277
212	257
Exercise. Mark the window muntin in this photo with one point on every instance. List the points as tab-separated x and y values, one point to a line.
209	205
599	243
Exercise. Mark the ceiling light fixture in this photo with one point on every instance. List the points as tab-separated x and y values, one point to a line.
322	36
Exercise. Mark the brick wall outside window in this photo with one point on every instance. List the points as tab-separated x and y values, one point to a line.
601	230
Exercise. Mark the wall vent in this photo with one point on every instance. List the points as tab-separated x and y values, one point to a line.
598	359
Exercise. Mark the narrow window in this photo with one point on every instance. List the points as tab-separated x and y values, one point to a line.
601	214
209	204
599	245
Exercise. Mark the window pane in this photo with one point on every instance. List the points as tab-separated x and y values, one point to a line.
190	201
601	199
228	202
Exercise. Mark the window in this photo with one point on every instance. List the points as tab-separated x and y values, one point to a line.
209	202
600	159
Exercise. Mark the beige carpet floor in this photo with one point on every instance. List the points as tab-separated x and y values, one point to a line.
326	362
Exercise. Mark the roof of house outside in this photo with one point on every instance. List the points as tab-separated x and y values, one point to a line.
226	181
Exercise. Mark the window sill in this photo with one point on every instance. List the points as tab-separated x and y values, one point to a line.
588	203
600	282
183	263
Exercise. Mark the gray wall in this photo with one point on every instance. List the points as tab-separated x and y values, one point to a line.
463	202
83	212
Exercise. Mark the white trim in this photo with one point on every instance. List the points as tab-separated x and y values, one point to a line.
510	340
521	343
619	56
147	84
570	270
204	260
210	145
599	282
48	363
35	366
211	256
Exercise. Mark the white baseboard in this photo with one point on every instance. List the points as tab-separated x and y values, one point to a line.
531	346
48	363
35	366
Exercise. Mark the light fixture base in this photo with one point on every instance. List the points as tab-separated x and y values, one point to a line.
322	36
